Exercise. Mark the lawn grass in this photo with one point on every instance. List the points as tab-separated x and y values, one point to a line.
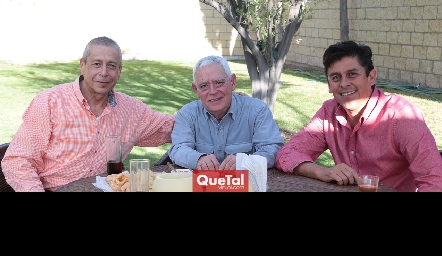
166	86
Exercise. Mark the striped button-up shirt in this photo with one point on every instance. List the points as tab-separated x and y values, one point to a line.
60	140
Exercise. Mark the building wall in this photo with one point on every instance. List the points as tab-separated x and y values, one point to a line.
220	34
405	37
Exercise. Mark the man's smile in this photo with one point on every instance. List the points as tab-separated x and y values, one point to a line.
213	100
347	93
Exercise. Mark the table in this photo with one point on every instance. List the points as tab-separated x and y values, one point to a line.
278	181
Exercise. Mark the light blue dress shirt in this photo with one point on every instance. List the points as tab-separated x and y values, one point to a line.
248	127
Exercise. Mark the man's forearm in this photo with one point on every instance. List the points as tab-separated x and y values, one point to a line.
308	169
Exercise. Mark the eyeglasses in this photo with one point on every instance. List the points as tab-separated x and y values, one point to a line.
205	86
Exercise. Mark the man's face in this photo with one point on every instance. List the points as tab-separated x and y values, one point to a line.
349	84
214	88
102	69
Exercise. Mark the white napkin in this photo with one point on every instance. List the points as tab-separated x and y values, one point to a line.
257	166
103	185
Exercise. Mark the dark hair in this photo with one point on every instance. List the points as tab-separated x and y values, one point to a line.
105	41
340	50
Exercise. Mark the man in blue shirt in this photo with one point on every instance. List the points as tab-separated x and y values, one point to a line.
209	132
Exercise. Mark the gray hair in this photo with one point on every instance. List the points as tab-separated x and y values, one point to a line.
209	60
104	41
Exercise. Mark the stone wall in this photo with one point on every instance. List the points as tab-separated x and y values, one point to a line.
220	34
405	37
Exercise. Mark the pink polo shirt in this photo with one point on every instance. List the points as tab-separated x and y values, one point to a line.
60	140
391	140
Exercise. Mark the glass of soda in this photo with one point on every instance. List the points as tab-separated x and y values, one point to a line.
114	154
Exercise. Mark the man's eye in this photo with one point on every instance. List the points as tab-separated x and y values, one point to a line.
96	64
219	84
352	74
335	78
203	87
112	66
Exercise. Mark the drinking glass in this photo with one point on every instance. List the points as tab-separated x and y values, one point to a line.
113	154
368	183
139	177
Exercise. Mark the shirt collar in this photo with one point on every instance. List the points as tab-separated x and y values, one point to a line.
233	104
371	105
110	96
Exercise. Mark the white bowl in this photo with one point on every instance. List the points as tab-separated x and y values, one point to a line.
173	182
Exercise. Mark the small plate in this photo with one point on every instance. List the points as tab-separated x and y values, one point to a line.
181	170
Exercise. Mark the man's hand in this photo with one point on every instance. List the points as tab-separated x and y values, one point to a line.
208	162
229	163
342	174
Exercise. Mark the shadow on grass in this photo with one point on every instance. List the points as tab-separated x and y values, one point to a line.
166	87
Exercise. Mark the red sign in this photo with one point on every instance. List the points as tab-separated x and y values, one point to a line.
220	181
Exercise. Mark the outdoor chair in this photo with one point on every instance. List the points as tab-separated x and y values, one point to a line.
164	159
4	186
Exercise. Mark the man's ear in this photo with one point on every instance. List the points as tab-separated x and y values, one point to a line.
233	81
81	66
372	77
194	87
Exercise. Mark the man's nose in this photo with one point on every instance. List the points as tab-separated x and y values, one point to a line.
212	88
103	70
344	82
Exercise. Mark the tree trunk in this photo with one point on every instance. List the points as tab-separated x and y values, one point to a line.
344	20
263	65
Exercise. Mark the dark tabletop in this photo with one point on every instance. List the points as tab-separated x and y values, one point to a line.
278	181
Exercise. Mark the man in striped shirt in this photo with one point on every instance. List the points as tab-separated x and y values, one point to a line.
62	135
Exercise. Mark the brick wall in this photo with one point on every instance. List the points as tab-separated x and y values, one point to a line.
405	37
220	34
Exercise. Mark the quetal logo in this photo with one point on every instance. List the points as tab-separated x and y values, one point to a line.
220	181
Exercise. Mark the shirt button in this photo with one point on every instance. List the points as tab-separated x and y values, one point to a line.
352	152
219	149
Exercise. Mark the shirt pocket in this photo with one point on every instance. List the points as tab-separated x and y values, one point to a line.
204	148
239	148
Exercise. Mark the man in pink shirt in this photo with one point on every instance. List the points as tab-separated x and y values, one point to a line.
62	135
366	131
